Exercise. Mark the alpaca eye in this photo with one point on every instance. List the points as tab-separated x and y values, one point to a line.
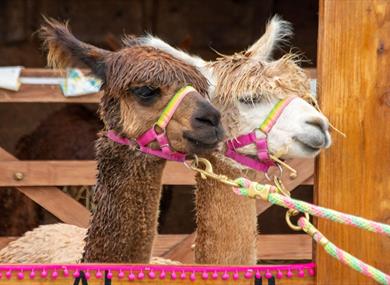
145	93
250	100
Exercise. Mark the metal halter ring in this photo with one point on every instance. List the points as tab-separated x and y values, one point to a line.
289	214
277	176
155	127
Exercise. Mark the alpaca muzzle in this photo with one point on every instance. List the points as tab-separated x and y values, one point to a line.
157	133
263	161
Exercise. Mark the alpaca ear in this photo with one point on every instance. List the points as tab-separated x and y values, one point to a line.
276	32
65	49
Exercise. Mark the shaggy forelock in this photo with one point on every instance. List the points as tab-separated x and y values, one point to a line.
140	65
240	76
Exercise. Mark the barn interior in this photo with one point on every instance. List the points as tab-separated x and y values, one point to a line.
205	28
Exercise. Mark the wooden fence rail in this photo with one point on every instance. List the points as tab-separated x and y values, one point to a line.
73	173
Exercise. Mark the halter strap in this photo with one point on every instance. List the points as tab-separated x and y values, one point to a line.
263	161
274	115
151	135
170	109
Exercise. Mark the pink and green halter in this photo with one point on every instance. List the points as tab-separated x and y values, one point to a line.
143	141
263	161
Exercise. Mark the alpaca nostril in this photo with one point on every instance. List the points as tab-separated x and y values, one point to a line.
210	119
320	123
206	115
206	121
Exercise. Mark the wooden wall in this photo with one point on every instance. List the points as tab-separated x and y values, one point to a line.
196	25
354	174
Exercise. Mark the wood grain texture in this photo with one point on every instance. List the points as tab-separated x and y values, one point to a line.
305	171
6	240
52	199
270	247
182	251
48	173
59	204
354	88
83	172
284	247
164	243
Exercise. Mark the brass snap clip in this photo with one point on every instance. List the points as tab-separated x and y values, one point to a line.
208	172
289	214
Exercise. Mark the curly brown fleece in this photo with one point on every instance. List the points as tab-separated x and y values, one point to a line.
128	192
228	236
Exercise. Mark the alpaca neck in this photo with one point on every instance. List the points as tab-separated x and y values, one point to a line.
127	198
226	223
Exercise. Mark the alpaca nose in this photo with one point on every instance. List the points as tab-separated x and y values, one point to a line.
318	132
319	122
206	116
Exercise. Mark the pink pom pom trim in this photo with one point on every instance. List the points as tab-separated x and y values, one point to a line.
187	272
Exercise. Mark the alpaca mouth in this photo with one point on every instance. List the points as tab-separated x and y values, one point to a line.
200	145
308	148
314	142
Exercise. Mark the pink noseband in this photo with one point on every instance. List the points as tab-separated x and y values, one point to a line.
142	142
263	161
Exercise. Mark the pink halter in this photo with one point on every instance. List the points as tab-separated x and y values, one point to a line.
263	161
151	135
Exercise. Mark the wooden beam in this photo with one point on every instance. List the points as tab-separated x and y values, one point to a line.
182	251
177	174
284	247
83	172
354	90
53	200
297	281
164	243
270	247
305	168
62	172
59	204
46	173
6	240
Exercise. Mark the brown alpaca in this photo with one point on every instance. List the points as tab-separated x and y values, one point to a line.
138	83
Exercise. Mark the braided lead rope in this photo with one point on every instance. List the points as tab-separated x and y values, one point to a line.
343	256
269	193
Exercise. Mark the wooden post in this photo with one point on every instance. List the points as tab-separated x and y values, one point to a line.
354	90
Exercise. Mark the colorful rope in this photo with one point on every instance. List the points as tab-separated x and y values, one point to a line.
253	189
343	256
